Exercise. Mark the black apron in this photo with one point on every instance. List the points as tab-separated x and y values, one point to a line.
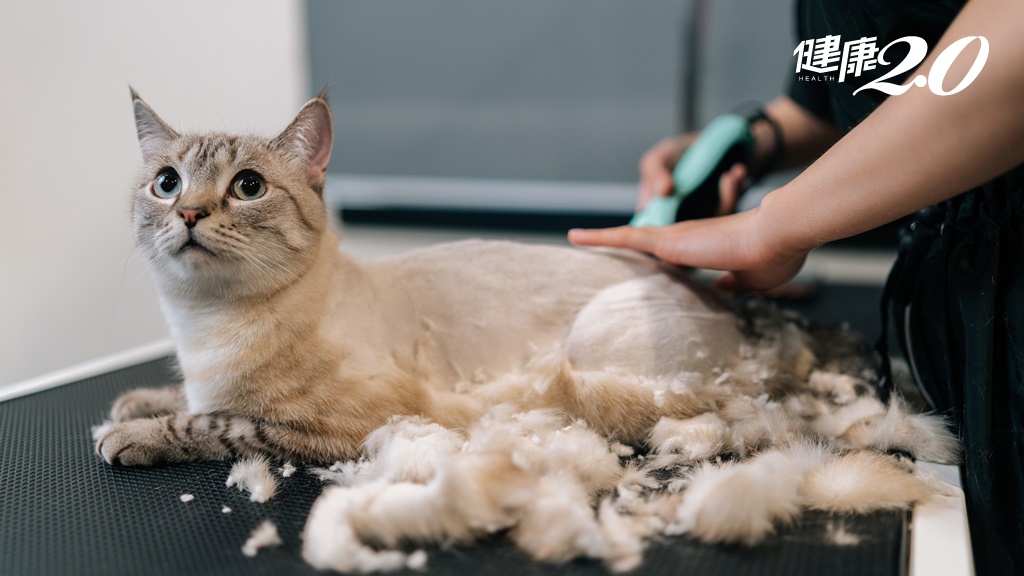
953	311
953	307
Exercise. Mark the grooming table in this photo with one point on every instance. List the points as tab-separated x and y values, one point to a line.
64	511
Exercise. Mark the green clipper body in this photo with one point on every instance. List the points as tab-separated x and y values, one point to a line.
724	142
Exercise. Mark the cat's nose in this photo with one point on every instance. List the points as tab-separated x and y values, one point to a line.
192	215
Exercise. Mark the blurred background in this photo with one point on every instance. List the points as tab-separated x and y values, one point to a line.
453	118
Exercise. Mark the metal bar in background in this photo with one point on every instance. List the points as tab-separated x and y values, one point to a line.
694	41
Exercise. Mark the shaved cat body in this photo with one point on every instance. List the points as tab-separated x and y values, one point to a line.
291	347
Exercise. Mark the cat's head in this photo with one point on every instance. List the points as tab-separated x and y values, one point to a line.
222	215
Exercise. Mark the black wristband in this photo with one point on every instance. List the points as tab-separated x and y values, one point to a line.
778	144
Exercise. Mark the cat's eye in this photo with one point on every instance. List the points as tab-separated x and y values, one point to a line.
248	185
167	184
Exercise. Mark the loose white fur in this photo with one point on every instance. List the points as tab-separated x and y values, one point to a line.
253	474
100	430
263	536
837	533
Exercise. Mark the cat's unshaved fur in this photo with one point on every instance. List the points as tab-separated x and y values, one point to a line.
498	373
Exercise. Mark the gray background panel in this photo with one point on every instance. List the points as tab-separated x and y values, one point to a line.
530	89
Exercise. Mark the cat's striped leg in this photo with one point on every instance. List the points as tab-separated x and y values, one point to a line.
183	437
148	402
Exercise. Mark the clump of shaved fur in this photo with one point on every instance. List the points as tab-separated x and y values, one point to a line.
690	440
740	502
863	481
254	475
263	536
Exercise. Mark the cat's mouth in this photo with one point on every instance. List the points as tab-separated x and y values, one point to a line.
193	245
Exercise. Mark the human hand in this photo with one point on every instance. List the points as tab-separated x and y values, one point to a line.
657	164
656	167
751	250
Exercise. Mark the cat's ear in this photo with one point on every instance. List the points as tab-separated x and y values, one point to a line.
154	133
308	139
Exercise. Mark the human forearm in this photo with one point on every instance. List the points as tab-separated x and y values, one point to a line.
917	148
804	136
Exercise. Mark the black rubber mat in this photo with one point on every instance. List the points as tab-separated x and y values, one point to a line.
856	306
64	511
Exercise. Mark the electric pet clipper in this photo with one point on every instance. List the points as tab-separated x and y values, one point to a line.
725	141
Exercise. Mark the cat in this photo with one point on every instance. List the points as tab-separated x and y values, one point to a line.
292	348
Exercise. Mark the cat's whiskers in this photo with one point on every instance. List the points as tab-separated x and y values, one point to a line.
165	244
272	269
232	235
268	264
163	236
137	267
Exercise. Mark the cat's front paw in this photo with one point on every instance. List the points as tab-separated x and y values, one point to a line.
147	403
142	442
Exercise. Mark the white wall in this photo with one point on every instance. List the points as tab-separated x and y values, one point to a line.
70	287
